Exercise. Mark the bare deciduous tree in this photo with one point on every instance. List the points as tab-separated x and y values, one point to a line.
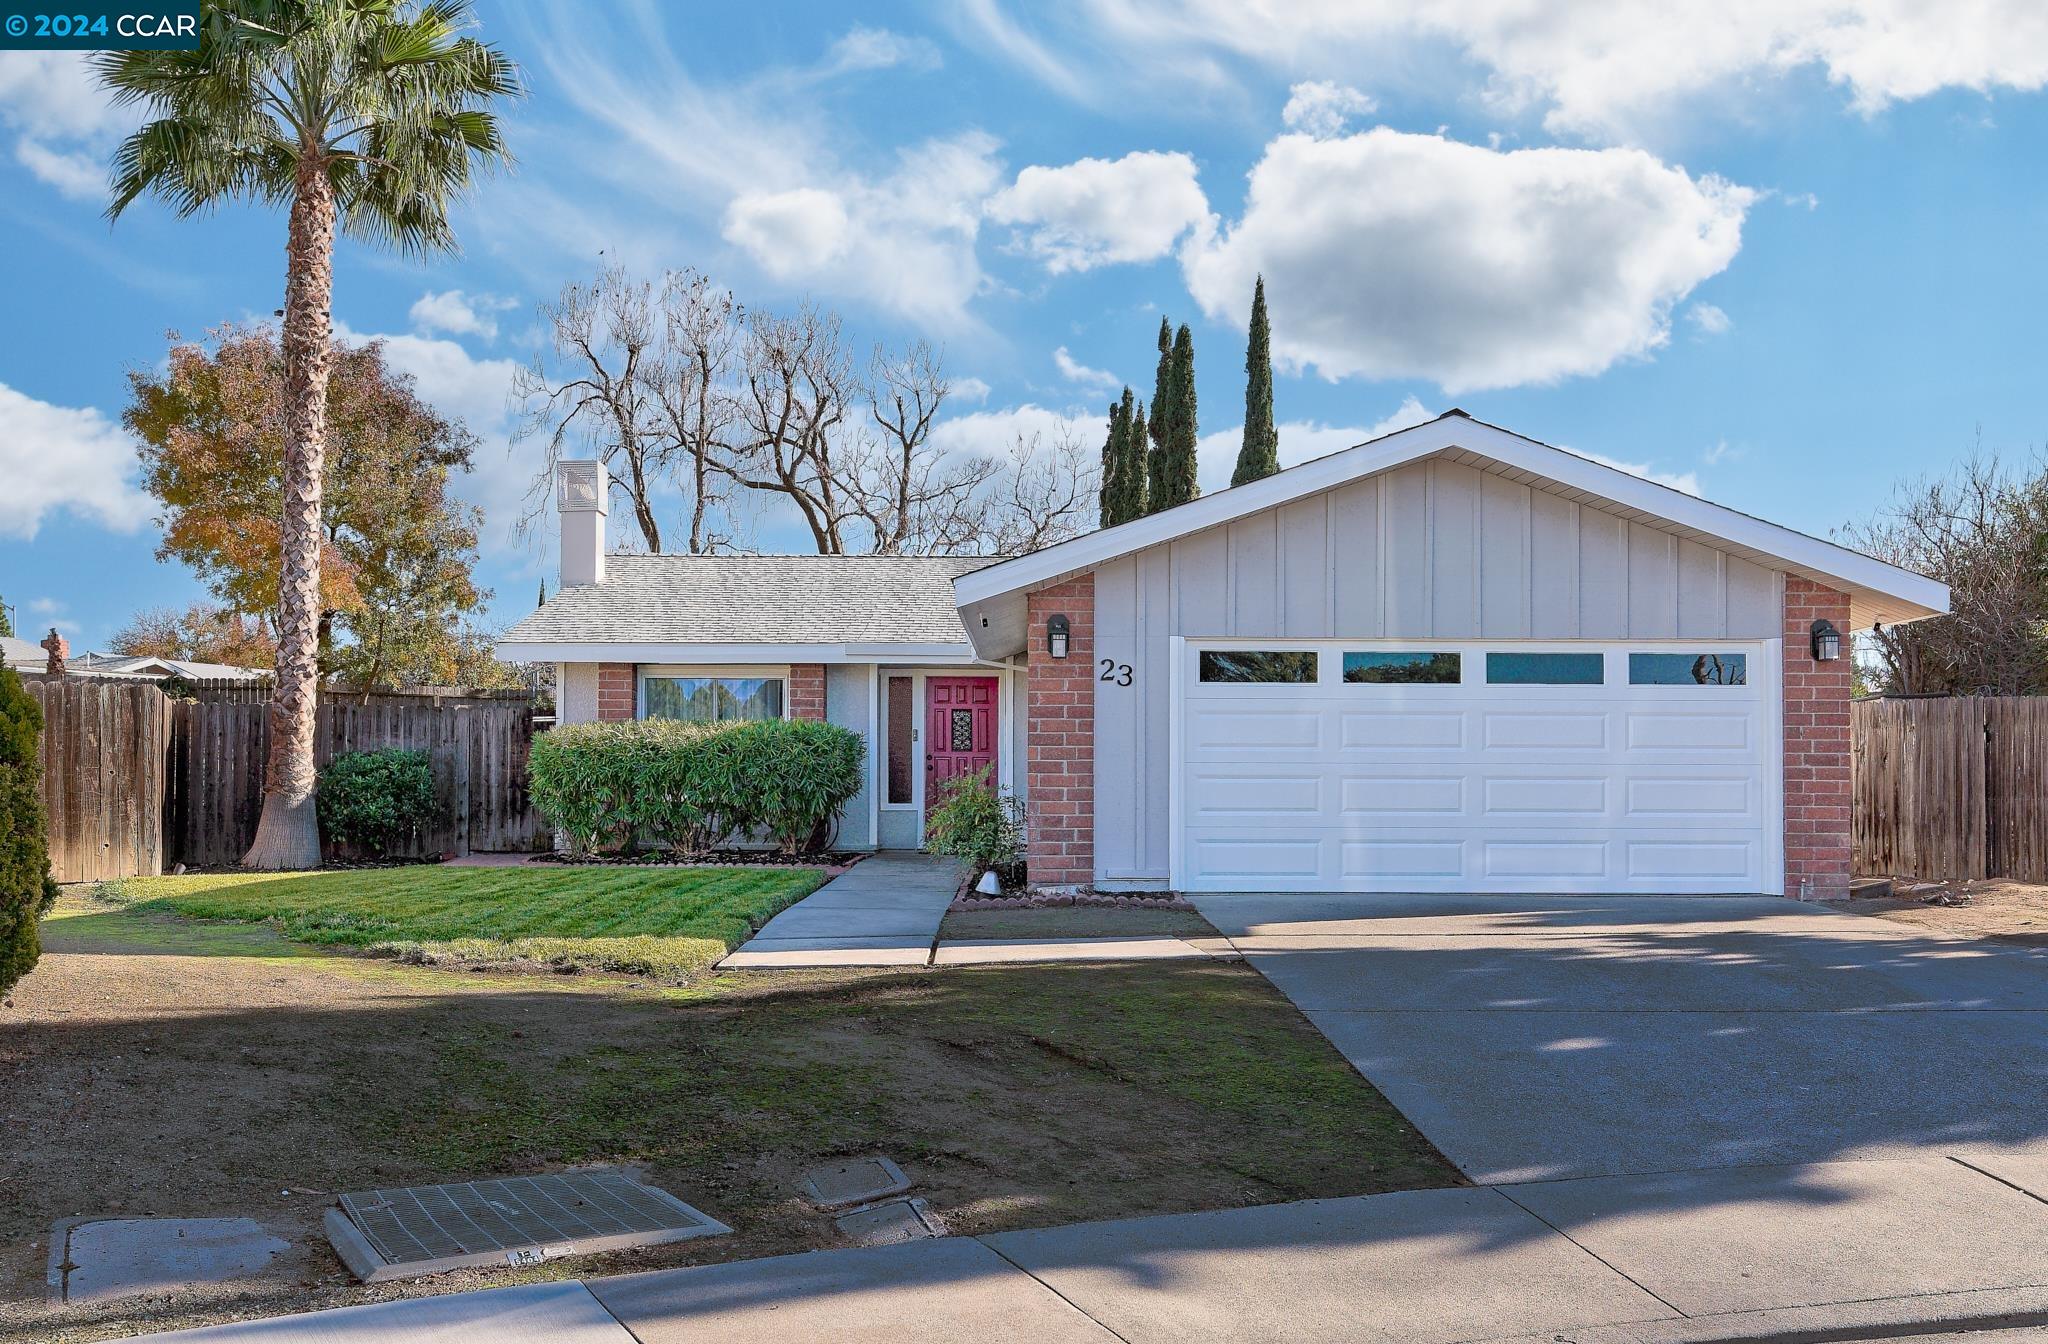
1983	531
644	380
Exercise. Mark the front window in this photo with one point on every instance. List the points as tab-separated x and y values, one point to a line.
714	699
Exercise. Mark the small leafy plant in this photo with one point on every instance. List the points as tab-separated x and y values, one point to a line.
376	802
975	821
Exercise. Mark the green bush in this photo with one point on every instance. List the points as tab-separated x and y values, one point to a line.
973	820
26	888
605	785
375	802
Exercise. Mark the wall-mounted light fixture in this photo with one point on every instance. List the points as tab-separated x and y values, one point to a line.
1056	636
1827	641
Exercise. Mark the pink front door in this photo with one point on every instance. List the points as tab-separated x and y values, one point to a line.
959	729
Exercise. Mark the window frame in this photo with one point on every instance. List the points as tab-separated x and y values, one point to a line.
710	672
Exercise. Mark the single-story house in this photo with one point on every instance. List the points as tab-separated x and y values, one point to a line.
1449	659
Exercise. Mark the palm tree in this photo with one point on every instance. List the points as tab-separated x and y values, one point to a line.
370	114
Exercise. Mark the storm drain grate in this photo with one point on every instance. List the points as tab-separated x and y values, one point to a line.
520	1220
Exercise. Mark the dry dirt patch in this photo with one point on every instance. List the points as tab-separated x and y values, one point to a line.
159	1065
2014	912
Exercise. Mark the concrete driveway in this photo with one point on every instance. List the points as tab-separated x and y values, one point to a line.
1539	1038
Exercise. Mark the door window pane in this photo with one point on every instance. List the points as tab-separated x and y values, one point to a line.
714	699
1256	665
1545	669
1688	669
902	721
1434	669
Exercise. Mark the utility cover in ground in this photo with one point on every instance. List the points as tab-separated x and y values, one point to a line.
94	1260
520	1220
888	1223
856	1182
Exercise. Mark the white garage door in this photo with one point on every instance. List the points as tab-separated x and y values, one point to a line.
1496	767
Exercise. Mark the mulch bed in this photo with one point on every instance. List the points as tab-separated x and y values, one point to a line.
1105	900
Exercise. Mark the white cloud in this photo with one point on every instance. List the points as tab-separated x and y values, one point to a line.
992	433
1592	69
865	48
1322	108
1711	319
759	161
77	175
1389	255
460	314
1074	371
969	389
788	232
64	124
1096	211
1300	441
64	457
46	606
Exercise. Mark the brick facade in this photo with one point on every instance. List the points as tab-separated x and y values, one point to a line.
618	695
1059	750
807	691
1817	828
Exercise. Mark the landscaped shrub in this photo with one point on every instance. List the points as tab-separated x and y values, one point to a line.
376	801
26	888
974	820
604	785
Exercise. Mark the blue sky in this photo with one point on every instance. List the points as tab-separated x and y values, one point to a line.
1785	255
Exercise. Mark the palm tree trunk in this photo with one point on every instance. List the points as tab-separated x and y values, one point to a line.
288	836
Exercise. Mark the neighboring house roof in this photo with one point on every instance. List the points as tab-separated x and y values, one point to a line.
21	653
991	599
737	608
149	665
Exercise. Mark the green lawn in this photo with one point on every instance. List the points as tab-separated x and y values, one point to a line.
669	923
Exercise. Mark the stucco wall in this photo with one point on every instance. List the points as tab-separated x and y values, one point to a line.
847	691
576	692
1433	550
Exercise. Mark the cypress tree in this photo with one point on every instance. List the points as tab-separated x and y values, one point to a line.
1164	400
1177	478
1260	454
1113	464
1136	455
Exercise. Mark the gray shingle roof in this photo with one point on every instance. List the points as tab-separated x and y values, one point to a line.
757	599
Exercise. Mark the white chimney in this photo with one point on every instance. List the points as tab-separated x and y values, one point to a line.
579	498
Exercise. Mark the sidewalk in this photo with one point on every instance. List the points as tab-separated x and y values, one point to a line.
1838	1250
883	911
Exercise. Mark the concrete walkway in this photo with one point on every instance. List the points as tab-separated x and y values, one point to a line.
1834	1250
883	911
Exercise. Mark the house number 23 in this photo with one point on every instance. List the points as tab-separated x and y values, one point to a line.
1115	673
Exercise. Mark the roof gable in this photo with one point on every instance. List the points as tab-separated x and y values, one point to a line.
990	599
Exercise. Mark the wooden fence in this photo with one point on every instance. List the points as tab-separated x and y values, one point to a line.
1952	788
136	782
105	748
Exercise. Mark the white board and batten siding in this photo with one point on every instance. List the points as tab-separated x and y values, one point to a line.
1434	552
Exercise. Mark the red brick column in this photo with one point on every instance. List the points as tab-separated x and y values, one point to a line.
807	691
1059	748
618	698
1817	826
